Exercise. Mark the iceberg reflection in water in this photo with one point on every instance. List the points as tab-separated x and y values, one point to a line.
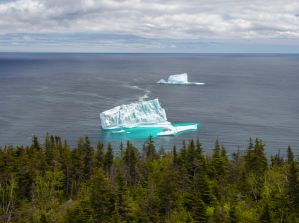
140	132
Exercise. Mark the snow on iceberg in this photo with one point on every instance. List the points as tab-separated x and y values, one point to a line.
178	79
142	114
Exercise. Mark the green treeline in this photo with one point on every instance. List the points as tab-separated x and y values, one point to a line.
49	182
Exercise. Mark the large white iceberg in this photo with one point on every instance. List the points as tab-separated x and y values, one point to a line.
142	114
178	79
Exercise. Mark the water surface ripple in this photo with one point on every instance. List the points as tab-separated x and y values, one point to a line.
63	94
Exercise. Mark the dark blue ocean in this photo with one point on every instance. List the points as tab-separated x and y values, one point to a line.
246	95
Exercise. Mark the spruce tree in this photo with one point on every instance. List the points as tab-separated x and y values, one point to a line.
260	157
121	150
65	160
175	155
277	160
9	160
265	216
150	148
293	184
232	215
24	174
167	190
49	148
243	184
88	158
100	155
199	149
189	219
203	185
199	210
224	156
184	179
78	163
80	213
218	161
115	216
183	154
127	152
101	197
256	160
131	160
109	157
133	164
58	142
121	192
121	187
249	155
190	156
191	152
42	164
194	204
216	190
290	155
35	143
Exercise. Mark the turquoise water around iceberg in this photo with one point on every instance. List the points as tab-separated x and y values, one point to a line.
139	132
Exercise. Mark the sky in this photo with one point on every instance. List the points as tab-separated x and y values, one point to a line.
150	26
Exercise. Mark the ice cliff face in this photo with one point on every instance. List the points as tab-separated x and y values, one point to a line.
178	78
145	114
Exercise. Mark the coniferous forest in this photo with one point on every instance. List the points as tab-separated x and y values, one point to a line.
49	182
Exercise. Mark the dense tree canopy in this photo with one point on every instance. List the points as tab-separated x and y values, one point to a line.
49	182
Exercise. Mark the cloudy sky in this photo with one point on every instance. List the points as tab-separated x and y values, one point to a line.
150	26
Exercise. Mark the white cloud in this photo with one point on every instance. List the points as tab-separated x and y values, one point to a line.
28	38
178	19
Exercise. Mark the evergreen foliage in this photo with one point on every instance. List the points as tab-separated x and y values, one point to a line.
175	155
195	206
219	160
100	155
290	155
293	185
88	158
232	215
81	212
150	148
243	184
265	215
108	160
50	182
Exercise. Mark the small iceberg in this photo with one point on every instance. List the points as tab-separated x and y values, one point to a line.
168	131
178	79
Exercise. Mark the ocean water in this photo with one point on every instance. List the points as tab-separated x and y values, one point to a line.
246	95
